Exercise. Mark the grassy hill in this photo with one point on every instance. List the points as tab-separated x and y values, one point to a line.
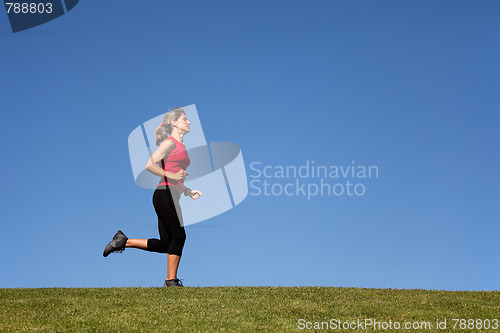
244	309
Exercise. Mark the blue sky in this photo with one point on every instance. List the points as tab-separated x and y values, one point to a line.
411	87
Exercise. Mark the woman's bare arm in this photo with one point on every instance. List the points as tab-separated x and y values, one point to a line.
160	154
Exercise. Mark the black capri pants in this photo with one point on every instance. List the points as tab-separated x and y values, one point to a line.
170	224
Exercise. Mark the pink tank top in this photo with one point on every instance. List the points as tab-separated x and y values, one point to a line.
177	159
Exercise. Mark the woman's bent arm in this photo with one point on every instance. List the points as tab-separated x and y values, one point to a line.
160	154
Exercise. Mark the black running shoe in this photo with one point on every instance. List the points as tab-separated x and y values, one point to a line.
117	244
173	283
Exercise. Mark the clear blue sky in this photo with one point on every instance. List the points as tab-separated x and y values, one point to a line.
409	86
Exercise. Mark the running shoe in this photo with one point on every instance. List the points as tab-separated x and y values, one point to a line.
117	244
173	283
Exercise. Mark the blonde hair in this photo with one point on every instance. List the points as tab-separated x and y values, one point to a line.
165	128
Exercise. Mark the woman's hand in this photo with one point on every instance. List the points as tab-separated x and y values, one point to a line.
180	175
193	194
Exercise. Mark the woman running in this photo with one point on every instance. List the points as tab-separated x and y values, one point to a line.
174	159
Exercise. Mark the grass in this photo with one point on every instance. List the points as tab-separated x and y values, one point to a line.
234	309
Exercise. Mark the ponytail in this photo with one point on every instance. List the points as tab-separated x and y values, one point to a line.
160	134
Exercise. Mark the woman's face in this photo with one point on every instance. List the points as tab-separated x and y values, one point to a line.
182	124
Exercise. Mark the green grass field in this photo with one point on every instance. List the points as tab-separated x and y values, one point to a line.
242	309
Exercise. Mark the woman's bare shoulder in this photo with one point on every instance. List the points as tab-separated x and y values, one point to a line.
166	145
